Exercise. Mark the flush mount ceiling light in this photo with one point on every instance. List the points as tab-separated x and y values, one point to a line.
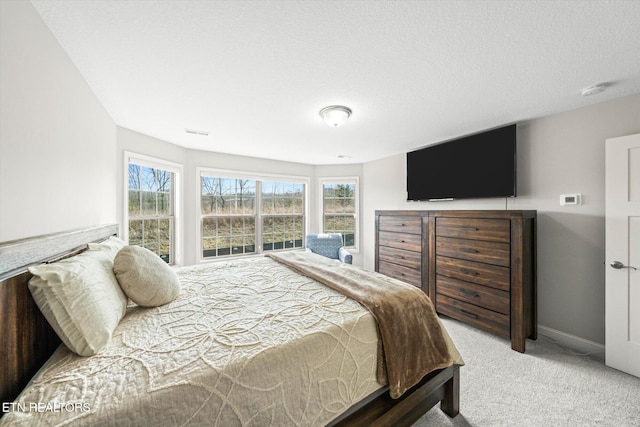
593	90
335	115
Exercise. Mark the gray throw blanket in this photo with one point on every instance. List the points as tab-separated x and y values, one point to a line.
414	342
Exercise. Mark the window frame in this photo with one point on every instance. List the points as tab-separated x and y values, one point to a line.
156	163
259	178
342	180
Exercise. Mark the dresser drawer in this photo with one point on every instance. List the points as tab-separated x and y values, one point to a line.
474	250
399	256
409	242
401	224
479	295
491	321
475	272
491	230
400	272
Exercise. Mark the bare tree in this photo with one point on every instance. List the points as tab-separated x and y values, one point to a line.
148	178
134	177
163	179
243	186
210	188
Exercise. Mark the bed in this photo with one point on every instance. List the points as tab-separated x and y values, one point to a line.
298	352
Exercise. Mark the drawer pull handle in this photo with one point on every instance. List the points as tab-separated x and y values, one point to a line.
469	228
398	256
470	272
466	313
468	292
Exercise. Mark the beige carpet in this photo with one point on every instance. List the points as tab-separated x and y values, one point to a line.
547	386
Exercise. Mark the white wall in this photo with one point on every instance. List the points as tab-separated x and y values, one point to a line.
562	153
57	143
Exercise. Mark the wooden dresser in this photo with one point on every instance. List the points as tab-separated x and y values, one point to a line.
476	266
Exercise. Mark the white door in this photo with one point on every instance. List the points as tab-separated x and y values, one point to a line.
622	346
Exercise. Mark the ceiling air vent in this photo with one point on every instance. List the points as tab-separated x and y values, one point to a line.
197	132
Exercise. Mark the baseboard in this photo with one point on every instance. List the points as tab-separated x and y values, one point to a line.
572	343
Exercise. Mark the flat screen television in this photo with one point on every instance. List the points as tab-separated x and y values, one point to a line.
475	166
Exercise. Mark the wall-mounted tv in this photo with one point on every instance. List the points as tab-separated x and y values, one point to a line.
474	166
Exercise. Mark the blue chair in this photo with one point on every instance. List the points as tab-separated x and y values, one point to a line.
329	245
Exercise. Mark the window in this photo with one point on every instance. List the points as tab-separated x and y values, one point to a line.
340	208
151	206
244	215
228	209
282	215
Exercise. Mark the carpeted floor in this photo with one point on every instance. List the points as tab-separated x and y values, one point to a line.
547	386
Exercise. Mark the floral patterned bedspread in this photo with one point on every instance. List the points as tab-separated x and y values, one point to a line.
248	342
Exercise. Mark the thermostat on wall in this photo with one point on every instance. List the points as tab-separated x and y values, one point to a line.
570	199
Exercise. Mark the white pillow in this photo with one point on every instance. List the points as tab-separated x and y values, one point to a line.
81	299
145	277
112	246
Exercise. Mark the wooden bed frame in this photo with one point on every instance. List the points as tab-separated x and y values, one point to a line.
27	340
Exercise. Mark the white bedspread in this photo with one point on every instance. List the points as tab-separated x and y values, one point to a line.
248	342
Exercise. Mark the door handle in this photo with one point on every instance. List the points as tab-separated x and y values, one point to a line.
618	265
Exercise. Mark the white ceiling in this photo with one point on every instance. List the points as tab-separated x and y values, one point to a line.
256	73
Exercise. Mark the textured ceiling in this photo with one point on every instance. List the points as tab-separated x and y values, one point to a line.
256	73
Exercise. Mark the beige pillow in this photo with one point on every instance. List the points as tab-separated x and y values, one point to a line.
145	277
112	246
81	299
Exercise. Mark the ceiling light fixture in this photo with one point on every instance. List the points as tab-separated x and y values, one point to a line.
335	115
593	90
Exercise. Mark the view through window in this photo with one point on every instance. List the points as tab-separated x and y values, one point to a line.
245	216
339	205
151	209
